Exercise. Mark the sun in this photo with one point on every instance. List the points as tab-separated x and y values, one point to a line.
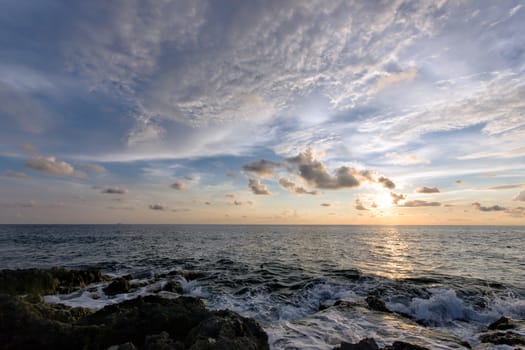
383	200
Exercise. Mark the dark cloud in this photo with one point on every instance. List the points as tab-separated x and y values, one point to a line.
51	166
386	182
15	174
520	196
231	175
397	197
257	187
492	208
419	203
236	202
425	189
93	168
207	203
229	195
285	183
157	207
261	167
316	174
458	182
114	190
359	205
178	185
326	204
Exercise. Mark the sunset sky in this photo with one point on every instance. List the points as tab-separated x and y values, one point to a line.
285	112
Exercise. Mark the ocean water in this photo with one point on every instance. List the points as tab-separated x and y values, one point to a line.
451	281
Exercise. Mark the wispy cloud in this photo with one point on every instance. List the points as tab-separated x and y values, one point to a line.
419	203
261	167
178	185
292	187
486	209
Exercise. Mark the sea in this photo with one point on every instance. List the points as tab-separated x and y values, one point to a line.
306	285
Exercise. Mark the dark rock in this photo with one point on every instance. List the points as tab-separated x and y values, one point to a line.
364	344
376	304
227	330
125	346
193	275
162	341
118	286
502	323
400	345
47	281
503	338
173	287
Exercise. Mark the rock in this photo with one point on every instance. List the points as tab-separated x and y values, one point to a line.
125	346
501	324
503	338
152	322
227	330
173	287
162	341
376	304
400	345
118	286
364	344
47	281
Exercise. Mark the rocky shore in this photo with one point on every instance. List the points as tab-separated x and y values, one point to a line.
152	322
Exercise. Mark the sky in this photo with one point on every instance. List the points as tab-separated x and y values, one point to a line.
262	112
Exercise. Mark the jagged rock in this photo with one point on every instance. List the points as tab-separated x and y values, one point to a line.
376	304
47	281
227	330
173	287
364	344
502	323
162	341
503	338
158	323
118	286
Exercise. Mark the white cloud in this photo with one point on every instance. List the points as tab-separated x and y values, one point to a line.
51	166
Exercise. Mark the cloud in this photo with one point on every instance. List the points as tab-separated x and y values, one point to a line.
178	185
506	187
238	203
285	183
520	196
359	205
93	168
114	190
326	204
492	208
316	174
29	148
516	212
386	182
397	197
257	187
419	203
51	166
404	159
15	174
229	195
157	206
425	189
263	168
207	203
388	79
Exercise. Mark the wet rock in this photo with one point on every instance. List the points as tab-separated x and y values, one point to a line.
376	304
151	322
502	323
173	287
47	281
227	330
364	344
503	338
118	286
